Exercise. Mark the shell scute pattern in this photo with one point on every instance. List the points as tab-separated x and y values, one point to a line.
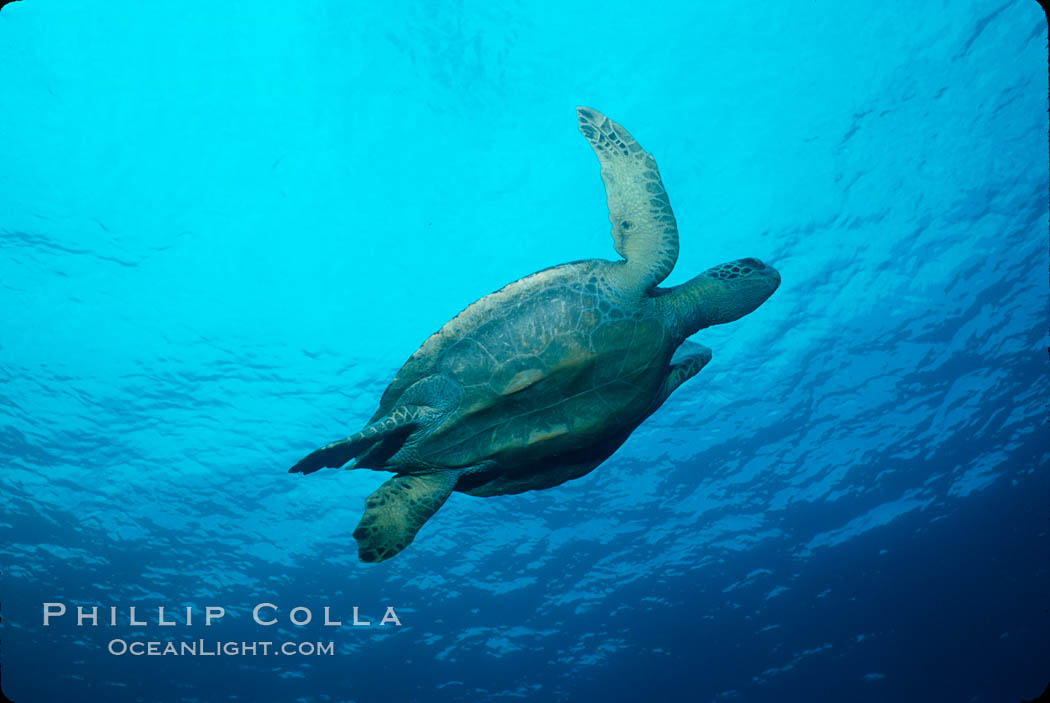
544	387
499	304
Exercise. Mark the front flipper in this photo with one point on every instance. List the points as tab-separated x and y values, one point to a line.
396	511
402	419
686	363
643	227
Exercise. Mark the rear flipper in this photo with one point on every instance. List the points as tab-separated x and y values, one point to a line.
402	419
396	511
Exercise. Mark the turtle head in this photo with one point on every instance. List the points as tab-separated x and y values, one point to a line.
723	294
751	280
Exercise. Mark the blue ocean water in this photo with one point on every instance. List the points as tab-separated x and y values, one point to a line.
225	226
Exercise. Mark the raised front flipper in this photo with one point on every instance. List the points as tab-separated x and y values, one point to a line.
402	419
686	363
643	227
396	511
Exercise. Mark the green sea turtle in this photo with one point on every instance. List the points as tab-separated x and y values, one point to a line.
541	381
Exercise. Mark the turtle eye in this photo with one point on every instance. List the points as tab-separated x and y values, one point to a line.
625	224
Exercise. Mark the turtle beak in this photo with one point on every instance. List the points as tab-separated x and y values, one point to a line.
771	274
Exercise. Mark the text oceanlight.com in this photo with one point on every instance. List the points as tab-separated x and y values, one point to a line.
204	648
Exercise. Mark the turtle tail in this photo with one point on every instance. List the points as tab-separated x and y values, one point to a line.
377	441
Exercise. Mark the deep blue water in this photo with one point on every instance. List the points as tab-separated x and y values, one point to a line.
225	226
